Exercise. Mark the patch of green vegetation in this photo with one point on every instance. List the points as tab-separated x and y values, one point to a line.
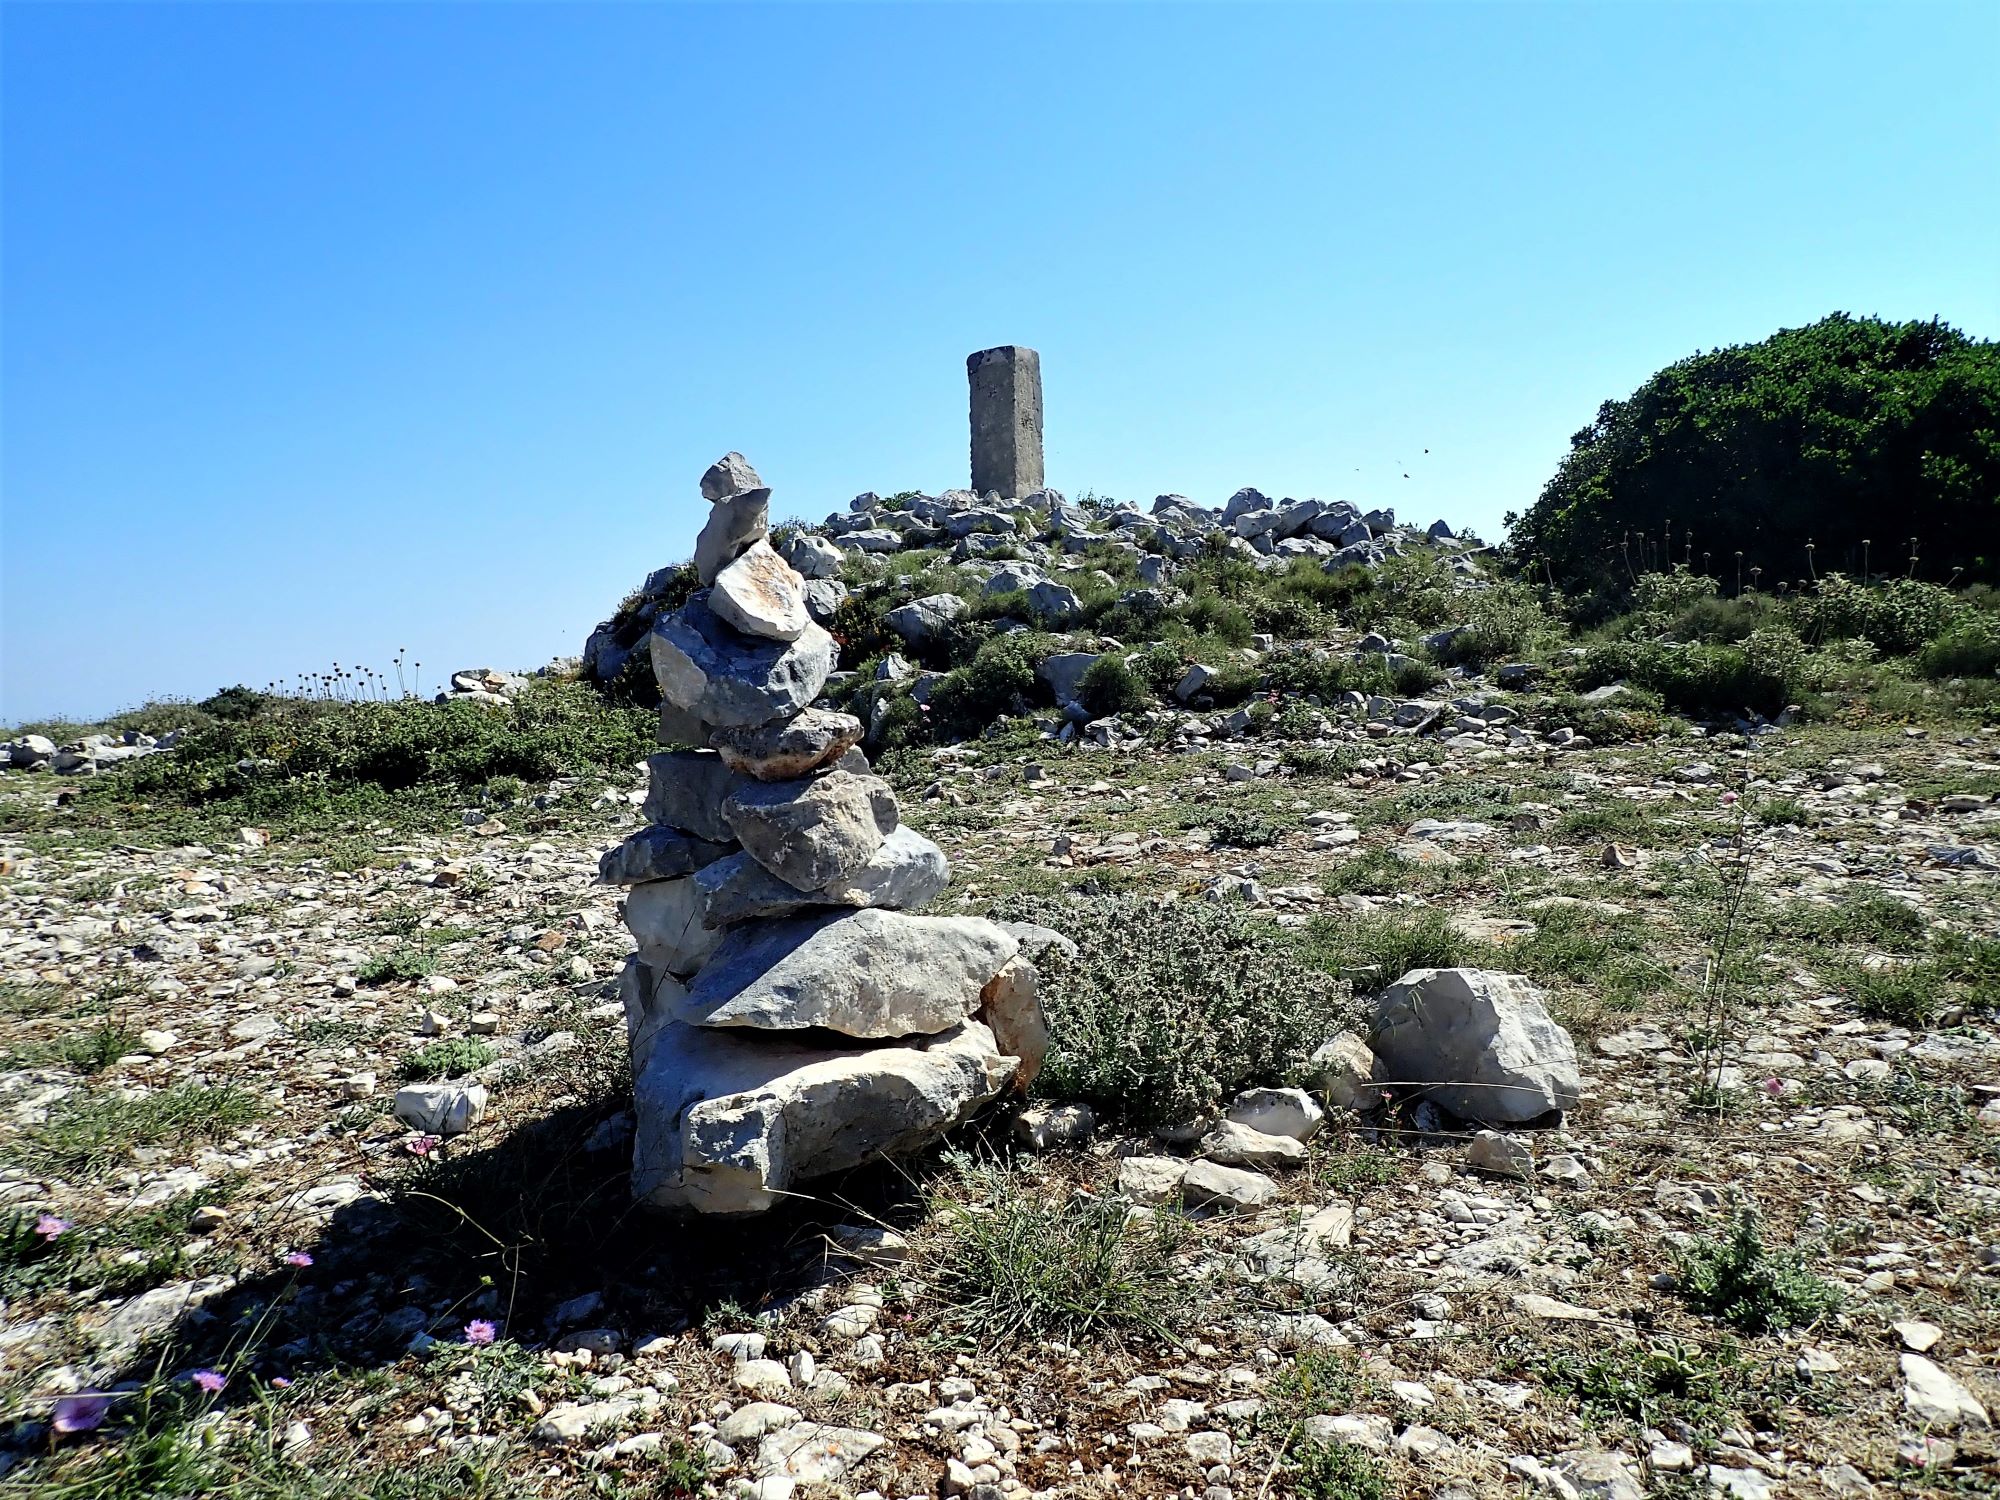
404	964
1750	1285
453	1057
1021	1264
1870	917
1168	1009
1387	946
87	1133
1235	828
87	1052
1660	1380
1336	1471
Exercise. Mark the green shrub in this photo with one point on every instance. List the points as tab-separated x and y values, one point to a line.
1111	687
1022	1263
999	681
1833	433
1749	1284
1897	617
404	964
1235	828
1763	674
1170	1009
236	703
1505	622
451	1058
1968	649
1336	1471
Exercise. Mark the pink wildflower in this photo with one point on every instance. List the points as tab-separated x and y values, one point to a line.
298	1258
80	1413
480	1331
48	1226
1774	1086
422	1145
280	1383
209	1380
1729	799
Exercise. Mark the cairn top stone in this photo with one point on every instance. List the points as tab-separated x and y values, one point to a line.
728	477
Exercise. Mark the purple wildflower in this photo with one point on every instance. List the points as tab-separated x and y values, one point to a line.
480	1331
48	1226
209	1380
298	1258
280	1383
84	1412
422	1145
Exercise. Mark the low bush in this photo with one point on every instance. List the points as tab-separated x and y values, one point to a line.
1111	687
452	1058
1170	1009
1749	1284
997	682
1022	1262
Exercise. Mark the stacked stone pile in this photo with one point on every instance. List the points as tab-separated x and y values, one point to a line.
788	1017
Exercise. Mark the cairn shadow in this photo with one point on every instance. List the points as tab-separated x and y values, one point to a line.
534	1234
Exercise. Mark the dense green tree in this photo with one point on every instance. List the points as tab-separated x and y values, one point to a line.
1852	434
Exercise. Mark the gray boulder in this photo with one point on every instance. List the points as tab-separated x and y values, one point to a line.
1054	604
733	527
665	919
1479	1042
1243	501
32	751
782	751
1015	577
1063	672
725	678
729	1124
923	620
813	556
687	790
728	477
823	597
812	831
1011	1008
907	872
862	973
657	854
760	595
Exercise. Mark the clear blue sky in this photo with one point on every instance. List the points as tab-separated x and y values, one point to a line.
329	330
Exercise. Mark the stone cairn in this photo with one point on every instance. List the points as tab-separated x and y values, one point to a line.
787	1017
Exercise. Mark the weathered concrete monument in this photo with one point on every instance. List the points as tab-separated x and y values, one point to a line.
1006	420
788	1017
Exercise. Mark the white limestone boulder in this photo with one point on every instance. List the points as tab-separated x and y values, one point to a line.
813	831
722	677
906	873
729	1123
861	973
760	595
664	917
1478	1042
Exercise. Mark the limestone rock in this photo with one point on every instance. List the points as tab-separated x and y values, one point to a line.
1287	1112
441	1108
813	557
1479	1042
1011	1007
1151	1179
686	791
760	595
734	526
657	854
729	1123
728	477
1937	1400
907	872
1208	1185
813	831
923	620
1237	1145
725	678
785	750
665	918
861	973
1344	1072
652	999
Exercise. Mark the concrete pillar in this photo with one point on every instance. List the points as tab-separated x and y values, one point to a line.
1006	420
